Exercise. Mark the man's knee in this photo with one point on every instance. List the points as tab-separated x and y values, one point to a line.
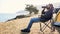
32	19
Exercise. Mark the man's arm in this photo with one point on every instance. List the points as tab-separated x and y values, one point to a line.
42	13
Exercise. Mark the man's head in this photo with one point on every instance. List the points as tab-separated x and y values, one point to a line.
50	6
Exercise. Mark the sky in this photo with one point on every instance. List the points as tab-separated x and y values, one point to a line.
13	6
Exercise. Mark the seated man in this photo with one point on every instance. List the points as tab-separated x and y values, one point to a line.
47	15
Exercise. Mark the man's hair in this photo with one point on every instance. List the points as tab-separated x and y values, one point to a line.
51	5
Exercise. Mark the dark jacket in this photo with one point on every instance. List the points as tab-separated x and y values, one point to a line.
47	15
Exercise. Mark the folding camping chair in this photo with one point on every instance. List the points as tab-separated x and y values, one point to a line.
45	24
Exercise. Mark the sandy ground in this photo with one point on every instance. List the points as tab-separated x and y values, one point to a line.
15	26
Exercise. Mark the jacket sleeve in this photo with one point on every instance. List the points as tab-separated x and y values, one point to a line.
43	11
47	14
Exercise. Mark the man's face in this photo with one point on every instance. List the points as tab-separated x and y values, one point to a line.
48	7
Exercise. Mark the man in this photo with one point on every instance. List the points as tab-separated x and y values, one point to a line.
46	15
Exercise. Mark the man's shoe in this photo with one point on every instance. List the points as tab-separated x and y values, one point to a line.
25	30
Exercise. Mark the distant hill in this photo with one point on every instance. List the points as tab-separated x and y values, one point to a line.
19	17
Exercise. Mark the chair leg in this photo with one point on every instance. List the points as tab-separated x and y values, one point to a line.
40	27
52	27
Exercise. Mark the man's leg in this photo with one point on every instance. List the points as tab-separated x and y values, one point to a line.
30	24
33	20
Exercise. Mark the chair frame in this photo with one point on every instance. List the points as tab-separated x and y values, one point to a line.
45	25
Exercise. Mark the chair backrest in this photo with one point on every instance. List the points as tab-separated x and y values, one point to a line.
57	19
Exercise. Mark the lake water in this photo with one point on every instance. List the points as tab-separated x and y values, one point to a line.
5	17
